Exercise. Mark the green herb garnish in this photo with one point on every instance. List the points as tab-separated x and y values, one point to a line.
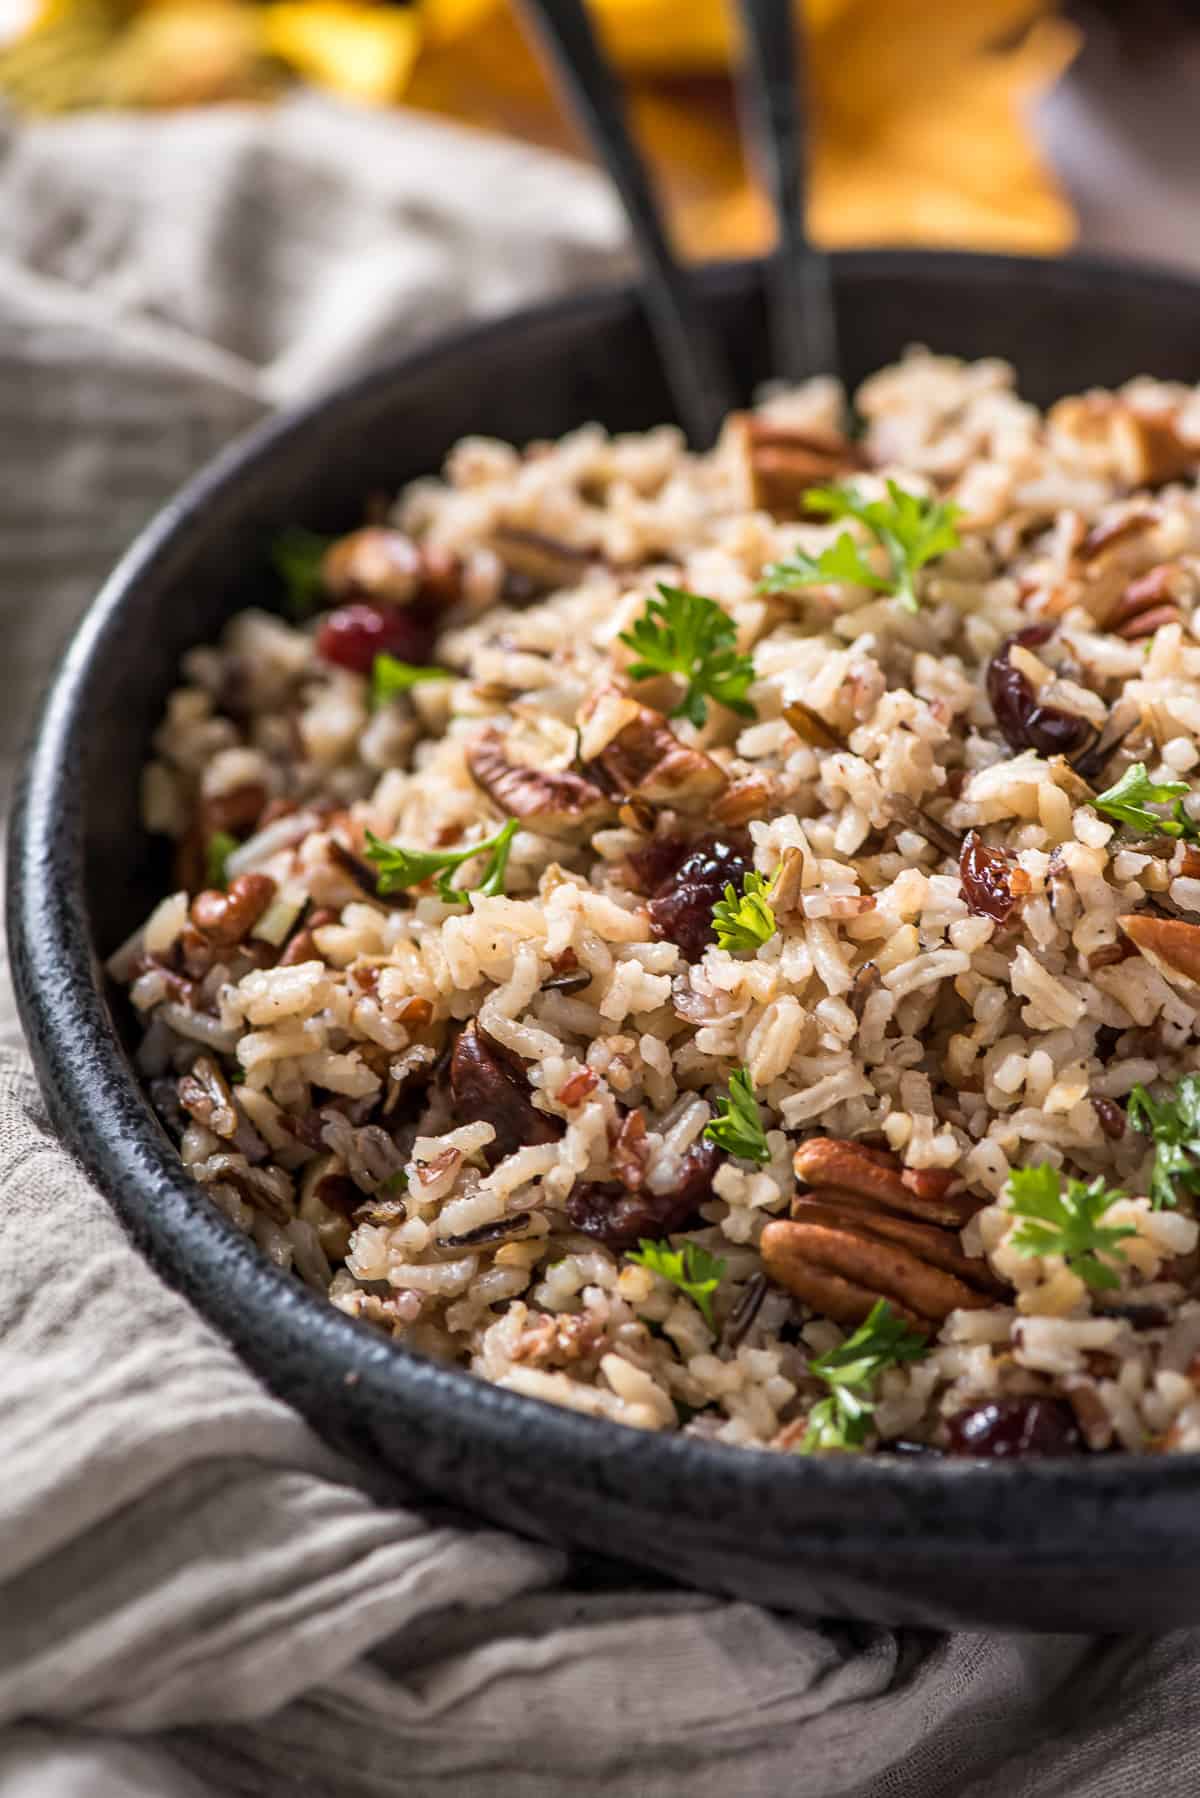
1067	1222
390	676
220	847
912	530
696	1273
683	633
745	922
1174	1124
297	557
843	1420
400	868
738	1127
1129	802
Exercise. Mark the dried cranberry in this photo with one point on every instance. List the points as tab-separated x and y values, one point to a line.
657	861
1024	724
618	1218
1005	1428
984	874
352	636
490	1085
681	910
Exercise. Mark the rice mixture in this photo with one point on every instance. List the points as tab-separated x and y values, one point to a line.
828	965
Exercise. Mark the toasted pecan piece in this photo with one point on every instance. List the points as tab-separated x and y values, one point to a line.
1168	944
646	761
784	461
934	1194
941	1248
552	800
793	1250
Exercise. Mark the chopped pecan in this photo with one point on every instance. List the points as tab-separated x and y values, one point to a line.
205	1095
559	1341
385	567
630	1152
577	1087
1141	448
1168	944
1113	531
746	798
554	801
646	761
266	1189
546	563
224	918
618	1218
489	1085
1147	603
844	1268
785	461
932	1194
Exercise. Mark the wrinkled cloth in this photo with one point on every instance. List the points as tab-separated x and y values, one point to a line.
196	1595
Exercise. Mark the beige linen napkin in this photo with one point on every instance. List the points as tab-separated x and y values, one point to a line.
196	1596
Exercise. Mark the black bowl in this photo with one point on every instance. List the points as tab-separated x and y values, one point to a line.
1108	1543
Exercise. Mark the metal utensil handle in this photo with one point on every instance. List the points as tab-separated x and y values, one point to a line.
696	370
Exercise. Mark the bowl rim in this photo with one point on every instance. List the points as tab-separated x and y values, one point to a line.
97	1101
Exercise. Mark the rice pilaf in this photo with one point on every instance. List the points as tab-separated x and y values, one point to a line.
714	940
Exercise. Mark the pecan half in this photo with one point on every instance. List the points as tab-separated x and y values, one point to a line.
1168	944
646	761
554	801
935	1195
785	461
842	1269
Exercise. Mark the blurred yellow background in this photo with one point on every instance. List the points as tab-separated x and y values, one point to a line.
918	104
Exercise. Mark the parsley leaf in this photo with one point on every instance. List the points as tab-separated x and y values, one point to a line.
844	1418
684	633
390	676
400	868
1067	1222
220	847
745	922
912	529
696	1273
297	557
1129	802
1174	1124
738	1127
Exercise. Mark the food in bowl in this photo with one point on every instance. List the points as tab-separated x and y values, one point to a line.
714	941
